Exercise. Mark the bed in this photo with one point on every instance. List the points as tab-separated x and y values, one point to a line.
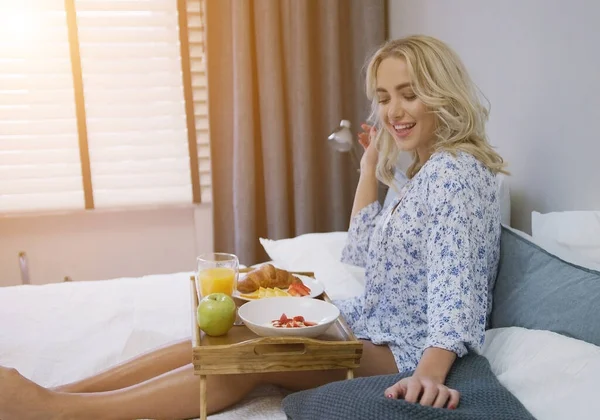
58	333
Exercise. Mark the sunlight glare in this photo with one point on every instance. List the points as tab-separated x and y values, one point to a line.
20	23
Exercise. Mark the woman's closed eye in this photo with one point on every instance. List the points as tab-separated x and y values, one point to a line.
408	94
383	100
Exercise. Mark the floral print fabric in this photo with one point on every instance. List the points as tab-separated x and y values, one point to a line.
431	258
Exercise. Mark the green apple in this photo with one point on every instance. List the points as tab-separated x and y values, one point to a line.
216	314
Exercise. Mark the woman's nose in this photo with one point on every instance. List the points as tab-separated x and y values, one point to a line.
395	111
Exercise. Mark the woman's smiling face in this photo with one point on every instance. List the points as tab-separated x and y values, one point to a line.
406	118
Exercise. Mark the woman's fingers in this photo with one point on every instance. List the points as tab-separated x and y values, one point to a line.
362	143
442	397
363	139
363	136
413	389
426	393
430	392
396	391
368	133
454	399
373	131
369	130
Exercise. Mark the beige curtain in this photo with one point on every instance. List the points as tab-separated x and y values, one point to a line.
281	76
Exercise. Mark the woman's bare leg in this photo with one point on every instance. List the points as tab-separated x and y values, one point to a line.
173	395
135	371
376	360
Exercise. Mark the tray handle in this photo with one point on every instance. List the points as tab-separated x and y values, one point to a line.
282	346
195	328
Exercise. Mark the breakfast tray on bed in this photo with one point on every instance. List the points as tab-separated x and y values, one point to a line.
242	351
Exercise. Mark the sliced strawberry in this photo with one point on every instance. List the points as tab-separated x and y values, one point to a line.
304	287
299	318
310	324
294	290
301	289
283	319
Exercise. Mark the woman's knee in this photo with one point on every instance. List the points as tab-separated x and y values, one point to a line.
376	360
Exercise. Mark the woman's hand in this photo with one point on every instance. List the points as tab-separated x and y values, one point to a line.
366	139
425	391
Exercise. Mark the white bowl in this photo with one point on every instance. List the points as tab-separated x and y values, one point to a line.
258	314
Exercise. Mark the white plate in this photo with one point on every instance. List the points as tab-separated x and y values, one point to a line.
258	314
315	286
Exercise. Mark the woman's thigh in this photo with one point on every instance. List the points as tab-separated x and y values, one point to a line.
375	360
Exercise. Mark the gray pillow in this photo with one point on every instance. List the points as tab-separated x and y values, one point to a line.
537	290
482	398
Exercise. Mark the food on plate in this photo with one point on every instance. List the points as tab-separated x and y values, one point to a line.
266	292
299	289
216	314
294	322
296	289
267	276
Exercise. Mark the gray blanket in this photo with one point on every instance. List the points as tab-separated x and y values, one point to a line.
482	397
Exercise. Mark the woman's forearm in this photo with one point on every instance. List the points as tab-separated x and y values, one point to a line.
366	191
435	364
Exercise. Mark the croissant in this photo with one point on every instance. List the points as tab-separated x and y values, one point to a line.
266	276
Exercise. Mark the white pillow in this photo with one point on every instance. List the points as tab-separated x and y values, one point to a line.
561	252
320	253
301	252
554	377
575	232
504	199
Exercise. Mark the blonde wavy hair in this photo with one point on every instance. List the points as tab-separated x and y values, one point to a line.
440	80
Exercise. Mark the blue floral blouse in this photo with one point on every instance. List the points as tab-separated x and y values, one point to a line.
431	258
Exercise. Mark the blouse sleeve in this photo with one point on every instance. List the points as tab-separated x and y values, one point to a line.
456	266
359	234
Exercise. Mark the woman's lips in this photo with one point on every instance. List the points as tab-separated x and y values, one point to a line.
403	130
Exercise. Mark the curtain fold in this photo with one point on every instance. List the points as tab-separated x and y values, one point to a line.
281	76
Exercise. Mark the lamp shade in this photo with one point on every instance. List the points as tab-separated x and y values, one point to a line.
341	138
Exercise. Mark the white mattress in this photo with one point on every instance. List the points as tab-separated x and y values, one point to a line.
63	332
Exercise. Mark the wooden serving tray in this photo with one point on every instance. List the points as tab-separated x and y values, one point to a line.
242	351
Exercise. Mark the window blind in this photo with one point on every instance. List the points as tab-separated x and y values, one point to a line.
196	30
133	97
39	152
137	134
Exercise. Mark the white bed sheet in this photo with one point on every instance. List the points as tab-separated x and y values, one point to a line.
58	333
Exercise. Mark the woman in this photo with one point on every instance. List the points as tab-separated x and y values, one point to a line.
430	259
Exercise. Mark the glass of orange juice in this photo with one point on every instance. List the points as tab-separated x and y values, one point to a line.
217	272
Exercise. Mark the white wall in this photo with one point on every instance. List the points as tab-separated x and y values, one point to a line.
538	62
97	245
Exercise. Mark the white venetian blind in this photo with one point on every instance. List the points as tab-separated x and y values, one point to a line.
137	134
196	31
39	153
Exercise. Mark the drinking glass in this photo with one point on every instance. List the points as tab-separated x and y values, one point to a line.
216	272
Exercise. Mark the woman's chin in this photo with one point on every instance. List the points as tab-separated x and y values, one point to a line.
404	145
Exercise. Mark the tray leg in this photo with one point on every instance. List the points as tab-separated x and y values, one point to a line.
203	401
350	374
